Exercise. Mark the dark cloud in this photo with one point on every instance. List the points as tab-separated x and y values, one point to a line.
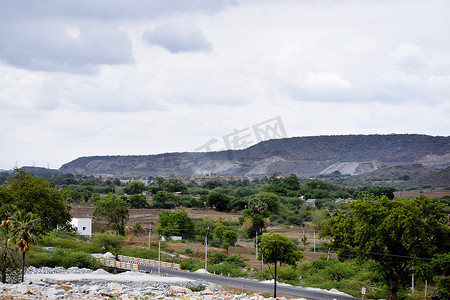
178	37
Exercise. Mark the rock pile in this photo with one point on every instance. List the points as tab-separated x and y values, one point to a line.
105	289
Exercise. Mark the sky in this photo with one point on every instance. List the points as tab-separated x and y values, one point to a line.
138	77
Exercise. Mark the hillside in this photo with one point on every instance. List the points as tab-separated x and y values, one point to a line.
304	156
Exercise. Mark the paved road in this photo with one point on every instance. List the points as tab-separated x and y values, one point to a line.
239	283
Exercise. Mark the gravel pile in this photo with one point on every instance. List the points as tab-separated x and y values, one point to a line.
76	283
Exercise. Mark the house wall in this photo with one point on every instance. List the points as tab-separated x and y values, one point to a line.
83	226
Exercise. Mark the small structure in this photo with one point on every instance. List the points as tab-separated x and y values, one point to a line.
310	202
83	226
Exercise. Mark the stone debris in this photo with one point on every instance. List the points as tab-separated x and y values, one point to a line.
102	289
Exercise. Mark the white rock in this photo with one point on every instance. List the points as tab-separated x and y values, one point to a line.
180	290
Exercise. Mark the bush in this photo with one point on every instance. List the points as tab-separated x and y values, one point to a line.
287	273
105	242
322	264
137	228
11	264
188	250
192	264
60	257
337	272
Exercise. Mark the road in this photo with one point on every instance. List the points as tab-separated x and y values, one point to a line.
239	283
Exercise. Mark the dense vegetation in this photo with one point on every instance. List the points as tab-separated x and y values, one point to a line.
321	204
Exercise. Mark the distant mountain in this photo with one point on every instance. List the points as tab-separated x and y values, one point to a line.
304	156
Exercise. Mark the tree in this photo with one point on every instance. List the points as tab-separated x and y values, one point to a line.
163	199
35	195
270	199
108	242
276	247
218	200
6	212
171	185
138	201
392	233
114	210
229	238
175	223
291	183
24	229
224	237
134	187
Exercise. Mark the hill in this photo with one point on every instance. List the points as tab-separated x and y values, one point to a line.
304	156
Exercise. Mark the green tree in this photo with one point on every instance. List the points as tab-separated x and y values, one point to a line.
138	201
276	247
175	223
6	212
134	187
392	233
291	183
35	195
172	185
270	199
24	228
108	242
229	238
218	200
114	210
163	199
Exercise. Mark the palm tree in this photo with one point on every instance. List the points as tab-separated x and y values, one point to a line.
24	227
6	212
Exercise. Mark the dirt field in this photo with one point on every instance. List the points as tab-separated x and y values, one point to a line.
244	248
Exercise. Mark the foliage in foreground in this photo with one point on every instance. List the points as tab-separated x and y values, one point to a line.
391	233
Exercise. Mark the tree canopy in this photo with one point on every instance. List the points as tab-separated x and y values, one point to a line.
394	233
134	187
276	247
175	223
35	195
114	210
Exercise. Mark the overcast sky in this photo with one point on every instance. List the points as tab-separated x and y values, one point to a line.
106	77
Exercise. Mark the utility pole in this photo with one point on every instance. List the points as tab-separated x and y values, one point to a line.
275	279
149	234
256	243
159	255
206	250
314	240
262	263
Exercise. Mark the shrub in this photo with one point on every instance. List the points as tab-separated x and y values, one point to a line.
192	264
287	273
337	272
137	228
103	242
226	268
322	264
188	250
62	258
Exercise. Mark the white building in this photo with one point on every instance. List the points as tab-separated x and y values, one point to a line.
83	226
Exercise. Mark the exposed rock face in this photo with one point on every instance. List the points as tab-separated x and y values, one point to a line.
304	156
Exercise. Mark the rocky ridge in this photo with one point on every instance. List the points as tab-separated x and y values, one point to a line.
304	156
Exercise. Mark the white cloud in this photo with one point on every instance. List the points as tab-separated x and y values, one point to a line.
77	78
409	58
178	37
